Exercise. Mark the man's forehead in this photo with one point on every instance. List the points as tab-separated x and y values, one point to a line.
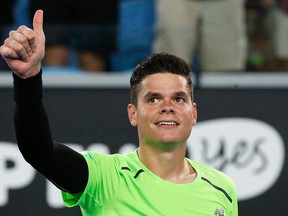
159	78
164	86
164	80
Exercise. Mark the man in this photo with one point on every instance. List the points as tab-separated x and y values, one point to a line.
278	18
156	179
214	30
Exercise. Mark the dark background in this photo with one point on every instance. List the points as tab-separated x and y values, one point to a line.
92	115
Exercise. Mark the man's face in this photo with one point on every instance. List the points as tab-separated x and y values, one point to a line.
165	113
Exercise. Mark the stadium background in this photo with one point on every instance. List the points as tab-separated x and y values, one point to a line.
94	116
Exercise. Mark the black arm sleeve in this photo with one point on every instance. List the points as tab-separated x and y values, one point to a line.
64	167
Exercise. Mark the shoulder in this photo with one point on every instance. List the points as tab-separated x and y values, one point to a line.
210	172
109	159
215	178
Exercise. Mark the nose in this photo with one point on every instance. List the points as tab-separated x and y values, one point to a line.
167	109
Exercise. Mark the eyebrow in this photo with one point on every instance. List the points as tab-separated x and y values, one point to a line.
157	94
181	93
152	94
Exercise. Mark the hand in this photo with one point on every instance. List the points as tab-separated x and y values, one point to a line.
24	49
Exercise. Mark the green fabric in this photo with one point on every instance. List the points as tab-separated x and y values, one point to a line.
120	184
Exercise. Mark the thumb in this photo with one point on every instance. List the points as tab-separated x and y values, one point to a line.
38	22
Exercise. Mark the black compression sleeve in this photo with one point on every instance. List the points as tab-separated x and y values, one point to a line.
66	168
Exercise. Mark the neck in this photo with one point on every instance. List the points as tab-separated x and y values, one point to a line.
168	165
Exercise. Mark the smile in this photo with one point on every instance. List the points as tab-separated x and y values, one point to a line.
167	123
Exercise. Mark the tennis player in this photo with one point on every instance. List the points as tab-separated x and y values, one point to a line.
157	178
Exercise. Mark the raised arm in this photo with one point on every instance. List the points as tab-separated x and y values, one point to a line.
23	51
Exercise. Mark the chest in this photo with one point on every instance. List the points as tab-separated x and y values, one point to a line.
146	196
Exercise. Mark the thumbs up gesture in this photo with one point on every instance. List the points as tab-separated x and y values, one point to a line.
24	49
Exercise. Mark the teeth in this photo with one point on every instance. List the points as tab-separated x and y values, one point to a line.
167	123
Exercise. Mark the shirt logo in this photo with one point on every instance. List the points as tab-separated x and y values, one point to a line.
219	212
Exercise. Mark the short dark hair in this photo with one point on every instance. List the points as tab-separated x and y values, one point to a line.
159	63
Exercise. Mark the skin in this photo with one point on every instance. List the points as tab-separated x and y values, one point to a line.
164	97
24	49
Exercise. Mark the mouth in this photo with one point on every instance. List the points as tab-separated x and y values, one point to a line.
167	123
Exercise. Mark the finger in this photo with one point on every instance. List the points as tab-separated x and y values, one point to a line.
15	50
38	22
8	53
24	36
38	28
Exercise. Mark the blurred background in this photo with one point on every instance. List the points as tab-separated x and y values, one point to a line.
96	36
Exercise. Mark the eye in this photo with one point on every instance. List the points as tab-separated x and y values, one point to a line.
153	100
179	99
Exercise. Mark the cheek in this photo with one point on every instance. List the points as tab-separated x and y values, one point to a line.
145	115
190	117
142	114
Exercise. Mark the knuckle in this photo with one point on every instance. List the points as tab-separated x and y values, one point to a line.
22	27
6	41
22	39
11	33
16	46
30	36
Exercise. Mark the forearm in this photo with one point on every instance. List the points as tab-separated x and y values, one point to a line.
30	119
66	168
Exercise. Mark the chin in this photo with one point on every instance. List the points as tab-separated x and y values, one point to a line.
170	142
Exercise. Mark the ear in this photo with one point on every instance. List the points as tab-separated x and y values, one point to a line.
194	114
131	109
